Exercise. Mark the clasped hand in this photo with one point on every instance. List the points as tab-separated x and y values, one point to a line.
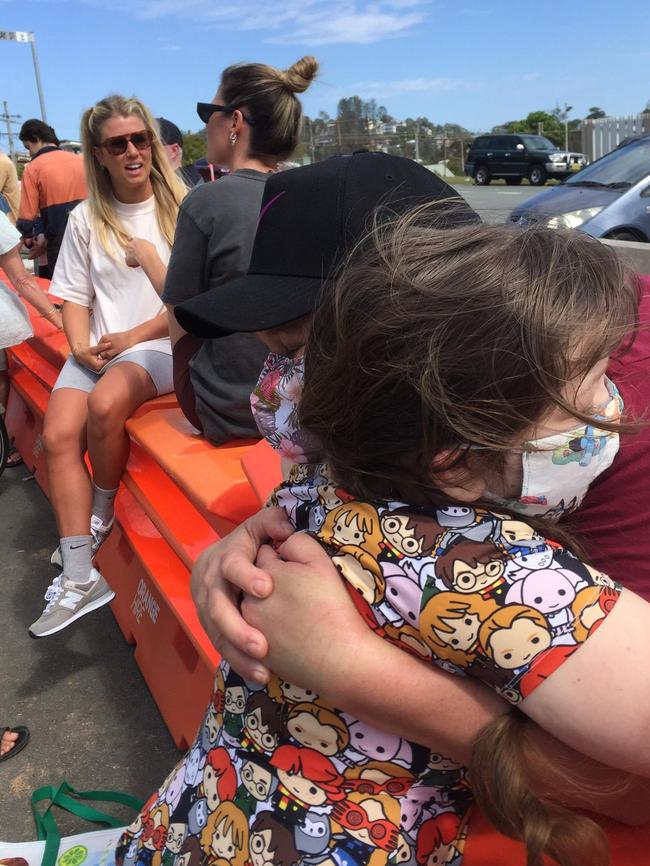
109	346
286	611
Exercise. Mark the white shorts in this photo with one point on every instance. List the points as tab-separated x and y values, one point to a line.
158	365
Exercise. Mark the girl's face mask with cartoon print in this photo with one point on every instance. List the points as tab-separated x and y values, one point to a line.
558	469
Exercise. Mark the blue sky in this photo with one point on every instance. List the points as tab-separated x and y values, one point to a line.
473	62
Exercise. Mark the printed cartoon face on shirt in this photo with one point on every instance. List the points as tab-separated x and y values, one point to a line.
257	780
408	533
210	787
372	820
313	833
515	531
304	789
514	635
317	728
378	745
461	633
175	837
547	590
470	566
402	595
193	766
174	789
223	841
270	843
455	516
450	623
263	722
286	691
235	700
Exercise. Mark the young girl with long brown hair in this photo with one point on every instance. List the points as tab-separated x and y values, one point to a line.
477	354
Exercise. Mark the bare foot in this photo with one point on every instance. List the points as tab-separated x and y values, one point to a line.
7	742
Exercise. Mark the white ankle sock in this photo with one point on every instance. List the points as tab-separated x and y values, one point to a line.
104	503
77	557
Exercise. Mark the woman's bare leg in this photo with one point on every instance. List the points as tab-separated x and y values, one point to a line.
64	442
115	398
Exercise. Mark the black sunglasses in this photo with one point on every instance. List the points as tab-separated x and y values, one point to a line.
117	144
205	110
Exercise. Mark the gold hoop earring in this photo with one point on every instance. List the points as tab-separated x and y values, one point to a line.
233	138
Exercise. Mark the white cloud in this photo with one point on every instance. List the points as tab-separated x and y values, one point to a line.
530	76
166	44
304	22
388	89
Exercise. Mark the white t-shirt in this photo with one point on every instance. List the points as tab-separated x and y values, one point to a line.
9	235
14	321
120	297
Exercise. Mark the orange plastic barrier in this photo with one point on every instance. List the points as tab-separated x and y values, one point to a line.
263	469
154	610
178	494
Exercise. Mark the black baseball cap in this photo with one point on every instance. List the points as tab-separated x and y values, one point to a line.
169	132
310	218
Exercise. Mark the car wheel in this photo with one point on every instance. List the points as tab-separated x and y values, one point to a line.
513	181
482	175
537	175
623	235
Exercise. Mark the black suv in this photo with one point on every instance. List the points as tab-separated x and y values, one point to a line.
514	157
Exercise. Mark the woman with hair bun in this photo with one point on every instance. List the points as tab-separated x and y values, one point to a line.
118	333
252	125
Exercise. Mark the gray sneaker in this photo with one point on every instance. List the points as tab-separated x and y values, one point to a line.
67	601
99	531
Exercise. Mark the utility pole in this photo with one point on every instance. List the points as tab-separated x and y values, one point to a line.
417	141
26	36
311	141
567	109
8	118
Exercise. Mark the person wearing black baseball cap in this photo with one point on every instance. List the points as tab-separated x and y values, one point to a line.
172	139
310	219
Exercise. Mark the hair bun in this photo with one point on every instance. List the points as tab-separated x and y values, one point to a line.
300	74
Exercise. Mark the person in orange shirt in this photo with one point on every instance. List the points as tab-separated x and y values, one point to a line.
52	184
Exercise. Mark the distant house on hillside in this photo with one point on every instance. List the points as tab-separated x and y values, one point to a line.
441	169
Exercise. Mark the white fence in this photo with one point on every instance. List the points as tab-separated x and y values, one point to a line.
602	135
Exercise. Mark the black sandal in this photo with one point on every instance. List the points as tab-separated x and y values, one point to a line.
19	745
14	459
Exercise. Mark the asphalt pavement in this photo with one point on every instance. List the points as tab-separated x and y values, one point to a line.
494	202
91	717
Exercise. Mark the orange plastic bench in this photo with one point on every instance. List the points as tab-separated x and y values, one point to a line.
263	469
154	610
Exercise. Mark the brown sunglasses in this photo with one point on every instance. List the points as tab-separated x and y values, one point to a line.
118	144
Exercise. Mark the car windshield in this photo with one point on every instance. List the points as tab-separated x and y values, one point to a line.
538	142
619	169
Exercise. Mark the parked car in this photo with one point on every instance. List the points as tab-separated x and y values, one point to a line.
608	199
514	157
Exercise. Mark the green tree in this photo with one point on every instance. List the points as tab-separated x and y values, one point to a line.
547	122
595	113
352	123
194	146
